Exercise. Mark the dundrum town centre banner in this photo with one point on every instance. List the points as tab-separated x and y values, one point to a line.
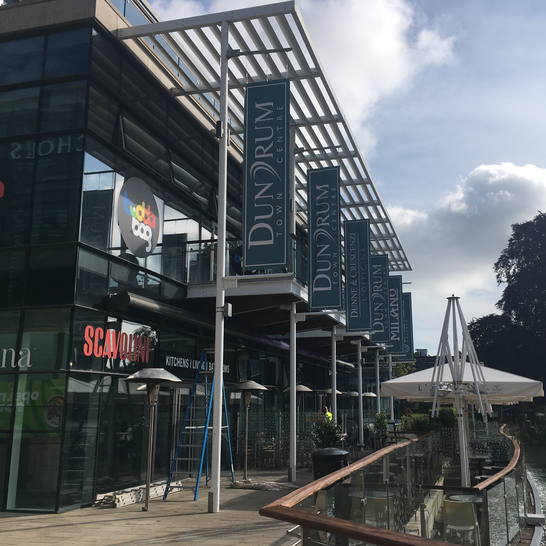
266	175
324	239
357	275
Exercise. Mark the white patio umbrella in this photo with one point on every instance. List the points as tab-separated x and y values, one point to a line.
458	377
500	387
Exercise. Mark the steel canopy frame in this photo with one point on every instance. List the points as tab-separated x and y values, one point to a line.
187	51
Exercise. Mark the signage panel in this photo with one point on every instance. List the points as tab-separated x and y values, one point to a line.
407	323
379	266
324	239
266	175
396	343
357	276
138	217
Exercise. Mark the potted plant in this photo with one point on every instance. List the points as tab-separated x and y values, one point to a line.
327	434
381	428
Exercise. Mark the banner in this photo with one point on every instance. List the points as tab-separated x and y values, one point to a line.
395	316
407	326
357	276
324	239
379	266
266	175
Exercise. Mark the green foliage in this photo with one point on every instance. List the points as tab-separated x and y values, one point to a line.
381	423
327	434
421	424
403	368
447	417
522	268
515	340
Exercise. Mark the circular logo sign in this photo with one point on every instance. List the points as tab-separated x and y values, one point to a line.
138	217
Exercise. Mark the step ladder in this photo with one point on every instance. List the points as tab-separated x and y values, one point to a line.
191	453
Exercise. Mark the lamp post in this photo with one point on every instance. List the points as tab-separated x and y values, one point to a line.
153	378
247	387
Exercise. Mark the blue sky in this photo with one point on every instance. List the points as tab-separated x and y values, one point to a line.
446	102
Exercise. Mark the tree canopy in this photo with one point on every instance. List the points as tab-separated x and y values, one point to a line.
515	340
522	267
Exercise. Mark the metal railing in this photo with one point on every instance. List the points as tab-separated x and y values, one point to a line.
408	494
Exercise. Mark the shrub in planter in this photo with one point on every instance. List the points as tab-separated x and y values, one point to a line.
327	434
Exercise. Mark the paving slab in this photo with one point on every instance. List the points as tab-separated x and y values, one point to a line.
178	520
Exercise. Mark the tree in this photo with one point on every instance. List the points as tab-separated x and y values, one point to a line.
515	340
522	267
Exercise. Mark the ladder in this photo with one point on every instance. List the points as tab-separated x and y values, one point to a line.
191	453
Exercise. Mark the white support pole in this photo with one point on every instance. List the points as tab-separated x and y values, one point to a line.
334	375
292	455
378	384
360	408
392	397
214	494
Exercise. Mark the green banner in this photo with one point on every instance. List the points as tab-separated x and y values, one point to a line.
407	323
380	299
396	343
357	276
266	175
39	404
324	239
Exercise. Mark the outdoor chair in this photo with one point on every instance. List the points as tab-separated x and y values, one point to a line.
461	518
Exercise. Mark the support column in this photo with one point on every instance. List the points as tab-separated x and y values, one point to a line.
392	397
360	408
292	457
378	384
214	494
334	376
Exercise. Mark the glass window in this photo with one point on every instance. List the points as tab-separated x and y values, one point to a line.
103	115
4	445
98	196
80	359
80	441
35	453
21	60
147	148
12	277
67	53
56	214
9	355
63	106
45	339
50	276
106	63
19	112
16	172
92	281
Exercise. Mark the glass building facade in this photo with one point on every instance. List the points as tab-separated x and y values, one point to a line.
107	198
108	244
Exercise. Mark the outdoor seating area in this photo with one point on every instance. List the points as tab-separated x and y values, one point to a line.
414	488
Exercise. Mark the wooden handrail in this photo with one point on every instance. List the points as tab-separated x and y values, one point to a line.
507	469
283	509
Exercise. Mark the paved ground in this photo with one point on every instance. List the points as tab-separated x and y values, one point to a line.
178	520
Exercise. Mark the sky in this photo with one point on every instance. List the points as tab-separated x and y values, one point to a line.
446	101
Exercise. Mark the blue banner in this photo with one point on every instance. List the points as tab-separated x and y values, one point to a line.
357	276
407	322
324	239
266	175
380	299
396	343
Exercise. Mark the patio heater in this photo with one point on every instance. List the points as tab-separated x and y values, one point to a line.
153	378
247	387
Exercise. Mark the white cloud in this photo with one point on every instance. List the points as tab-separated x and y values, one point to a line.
370	50
453	247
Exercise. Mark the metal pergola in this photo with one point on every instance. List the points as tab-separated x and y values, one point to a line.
267	43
